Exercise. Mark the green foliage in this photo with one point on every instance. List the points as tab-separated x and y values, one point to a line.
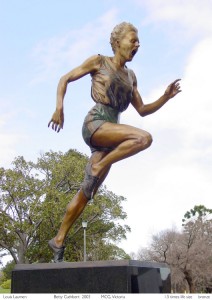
34	197
7	270
198	211
4	291
20	193
6	284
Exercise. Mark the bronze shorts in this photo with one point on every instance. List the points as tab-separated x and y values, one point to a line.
97	116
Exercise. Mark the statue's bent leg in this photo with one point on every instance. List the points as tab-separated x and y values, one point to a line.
124	139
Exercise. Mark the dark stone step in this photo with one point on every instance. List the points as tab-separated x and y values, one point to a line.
118	276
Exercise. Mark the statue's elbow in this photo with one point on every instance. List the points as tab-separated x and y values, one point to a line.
143	113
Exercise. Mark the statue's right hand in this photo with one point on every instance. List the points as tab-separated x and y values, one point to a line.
57	120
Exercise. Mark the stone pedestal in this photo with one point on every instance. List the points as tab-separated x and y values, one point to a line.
121	276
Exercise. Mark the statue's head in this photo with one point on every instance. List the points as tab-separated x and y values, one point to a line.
118	33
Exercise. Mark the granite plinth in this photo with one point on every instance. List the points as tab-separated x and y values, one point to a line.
121	276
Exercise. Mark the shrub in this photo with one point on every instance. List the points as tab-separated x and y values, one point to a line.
6	284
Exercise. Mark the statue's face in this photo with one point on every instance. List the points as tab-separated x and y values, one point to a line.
128	46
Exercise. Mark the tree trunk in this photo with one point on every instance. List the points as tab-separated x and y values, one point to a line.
21	250
189	279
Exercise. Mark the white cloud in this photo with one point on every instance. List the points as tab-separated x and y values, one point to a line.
191	17
68	50
10	136
7	151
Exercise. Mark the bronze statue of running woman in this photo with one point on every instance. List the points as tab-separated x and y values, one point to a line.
114	87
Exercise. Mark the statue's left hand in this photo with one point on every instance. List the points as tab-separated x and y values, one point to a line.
57	120
173	89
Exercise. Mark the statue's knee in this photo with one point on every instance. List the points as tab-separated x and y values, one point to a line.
149	140
145	141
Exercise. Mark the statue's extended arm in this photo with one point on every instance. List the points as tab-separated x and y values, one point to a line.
90	65
145	109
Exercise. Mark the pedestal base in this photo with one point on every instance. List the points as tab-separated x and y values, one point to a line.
121	276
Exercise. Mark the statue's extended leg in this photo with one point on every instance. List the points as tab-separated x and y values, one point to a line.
89	183
74	209
58	251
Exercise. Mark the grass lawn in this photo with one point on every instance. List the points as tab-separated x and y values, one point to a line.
4	291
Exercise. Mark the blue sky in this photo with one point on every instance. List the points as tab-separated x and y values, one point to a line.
42	40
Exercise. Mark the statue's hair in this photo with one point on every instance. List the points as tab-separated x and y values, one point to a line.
119	31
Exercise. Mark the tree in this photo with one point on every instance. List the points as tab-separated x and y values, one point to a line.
197	224
34	197
7	271
20	192
188	253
